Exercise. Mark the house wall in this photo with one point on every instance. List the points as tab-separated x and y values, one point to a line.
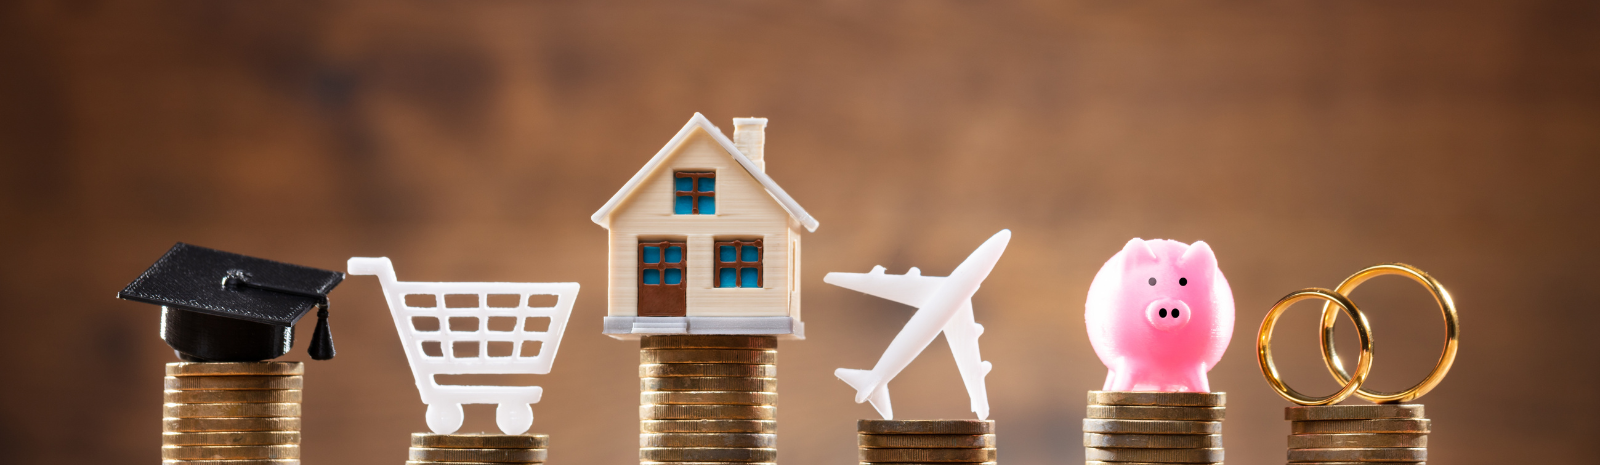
744	210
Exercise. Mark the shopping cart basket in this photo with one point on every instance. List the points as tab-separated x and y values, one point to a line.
513	412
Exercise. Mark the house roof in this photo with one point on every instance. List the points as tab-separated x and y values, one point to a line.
603	217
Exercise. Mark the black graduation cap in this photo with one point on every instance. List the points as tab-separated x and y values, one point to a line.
225	307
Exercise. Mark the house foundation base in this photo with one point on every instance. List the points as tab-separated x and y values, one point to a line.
630	327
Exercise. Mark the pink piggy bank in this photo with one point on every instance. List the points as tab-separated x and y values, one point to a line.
1159	315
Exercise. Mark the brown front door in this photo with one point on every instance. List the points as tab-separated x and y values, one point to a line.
662	291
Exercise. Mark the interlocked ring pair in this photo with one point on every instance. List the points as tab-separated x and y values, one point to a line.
1352	381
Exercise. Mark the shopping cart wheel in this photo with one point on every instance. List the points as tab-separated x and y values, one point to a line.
513	418
445	418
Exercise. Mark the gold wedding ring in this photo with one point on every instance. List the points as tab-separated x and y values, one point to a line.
1264	350
1452	332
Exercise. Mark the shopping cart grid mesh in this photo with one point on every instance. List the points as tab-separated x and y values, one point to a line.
446	338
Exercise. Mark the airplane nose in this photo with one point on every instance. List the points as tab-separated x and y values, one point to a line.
1167	314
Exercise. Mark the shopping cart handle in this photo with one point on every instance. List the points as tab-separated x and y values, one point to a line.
372	266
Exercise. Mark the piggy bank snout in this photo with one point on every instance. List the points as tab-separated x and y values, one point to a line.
1167	314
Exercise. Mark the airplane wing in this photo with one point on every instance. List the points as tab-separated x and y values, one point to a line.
962	334
911	288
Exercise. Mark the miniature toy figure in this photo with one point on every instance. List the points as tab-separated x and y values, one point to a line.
225	307
703	241
1159	315
492	335
943	305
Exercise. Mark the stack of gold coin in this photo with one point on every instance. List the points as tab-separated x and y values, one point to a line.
472	449
951	442
708	398
1154	427
244	413
1352	434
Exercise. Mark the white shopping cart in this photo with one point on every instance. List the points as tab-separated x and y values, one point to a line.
513	412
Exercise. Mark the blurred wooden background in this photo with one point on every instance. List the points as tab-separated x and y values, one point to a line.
472	140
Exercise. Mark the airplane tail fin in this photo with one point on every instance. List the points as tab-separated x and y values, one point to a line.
861	380
880	401
868	389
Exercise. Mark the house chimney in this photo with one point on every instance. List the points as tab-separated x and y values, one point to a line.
749	135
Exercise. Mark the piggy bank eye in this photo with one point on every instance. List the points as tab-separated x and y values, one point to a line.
1152	281
1183	281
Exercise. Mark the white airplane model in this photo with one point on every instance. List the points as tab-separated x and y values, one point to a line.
943	304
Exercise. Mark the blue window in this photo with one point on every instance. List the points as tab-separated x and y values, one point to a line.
661	263
738	263
694	193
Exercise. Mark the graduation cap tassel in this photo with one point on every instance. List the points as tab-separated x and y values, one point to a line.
321	347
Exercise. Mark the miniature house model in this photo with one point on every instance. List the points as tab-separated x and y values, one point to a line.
703	242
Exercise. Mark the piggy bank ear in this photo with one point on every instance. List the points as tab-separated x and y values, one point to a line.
1137	252
1198	258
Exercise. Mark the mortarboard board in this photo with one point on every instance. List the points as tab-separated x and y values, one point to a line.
225	307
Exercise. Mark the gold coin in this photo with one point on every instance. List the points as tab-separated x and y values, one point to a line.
1360	426
1152	441
709	384
708	426
235	462
925	426
709	341
643	462
707	454
932	463
1091	425
708	440
1147	412
1385	454
203	425
480	441
655	370
927	455
708	397
290	451
220	383
1352	412
1174	399
1357	440
925	441
1098	462
707	412
1154	455
1349	463
231	438
749	357
235	368
224	397
288	409
430	454
437	462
